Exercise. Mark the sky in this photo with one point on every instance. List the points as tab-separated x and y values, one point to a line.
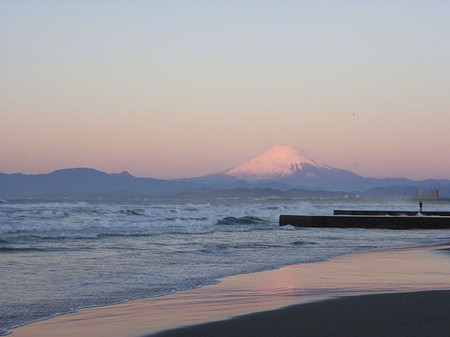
170	89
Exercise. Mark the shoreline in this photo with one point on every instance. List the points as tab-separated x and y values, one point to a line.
395	270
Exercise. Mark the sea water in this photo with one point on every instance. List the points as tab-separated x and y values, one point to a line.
57	258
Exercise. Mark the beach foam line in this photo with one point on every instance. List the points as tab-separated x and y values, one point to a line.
375	272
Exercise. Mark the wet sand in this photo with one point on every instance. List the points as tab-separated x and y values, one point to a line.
396	315
413	272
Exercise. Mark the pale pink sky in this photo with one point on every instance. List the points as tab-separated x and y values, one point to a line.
168	90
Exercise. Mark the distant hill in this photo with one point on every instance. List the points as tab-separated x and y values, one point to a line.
281	172
85	183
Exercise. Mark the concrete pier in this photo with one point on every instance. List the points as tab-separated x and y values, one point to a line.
390	213
367	221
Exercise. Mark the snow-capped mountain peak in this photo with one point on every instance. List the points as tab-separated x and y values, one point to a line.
277	162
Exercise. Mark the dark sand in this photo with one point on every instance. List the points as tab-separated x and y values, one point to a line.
399	314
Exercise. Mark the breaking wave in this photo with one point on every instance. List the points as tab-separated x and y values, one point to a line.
245	220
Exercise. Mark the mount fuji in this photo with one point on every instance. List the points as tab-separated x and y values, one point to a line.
280	161
288	166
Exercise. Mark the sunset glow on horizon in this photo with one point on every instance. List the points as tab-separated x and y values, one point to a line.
169	89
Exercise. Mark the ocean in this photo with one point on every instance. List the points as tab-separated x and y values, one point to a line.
57	258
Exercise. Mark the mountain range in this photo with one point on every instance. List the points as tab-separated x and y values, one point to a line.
282	171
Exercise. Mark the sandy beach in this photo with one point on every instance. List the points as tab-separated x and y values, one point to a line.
400	314
316	299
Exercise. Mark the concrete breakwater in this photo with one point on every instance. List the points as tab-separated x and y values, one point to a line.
371	219
390	213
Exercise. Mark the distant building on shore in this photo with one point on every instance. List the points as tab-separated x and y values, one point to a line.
433	195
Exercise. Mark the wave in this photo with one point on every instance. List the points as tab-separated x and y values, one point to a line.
29	249
15	250
50	228
136	211
303	243
185	219
39	214
243	224
32	232
217	250
62	236
191	209
245	220
98	233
